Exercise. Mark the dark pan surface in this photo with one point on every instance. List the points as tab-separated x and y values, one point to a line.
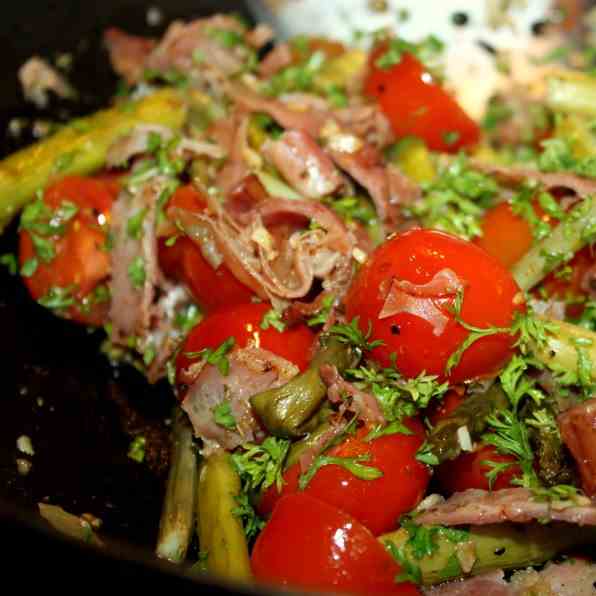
56	387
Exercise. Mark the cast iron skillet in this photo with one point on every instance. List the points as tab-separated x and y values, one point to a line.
56	387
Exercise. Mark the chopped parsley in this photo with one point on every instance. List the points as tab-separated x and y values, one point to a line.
136	451
352	209
136	272
321	316
11	263
244	510
350	333
273	318
58	298
296	77
353	465
557	156
226	37
187	318
222	414
427	51
261	466
134	225
217	357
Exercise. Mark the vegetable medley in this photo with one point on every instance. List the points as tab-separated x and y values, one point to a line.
377	315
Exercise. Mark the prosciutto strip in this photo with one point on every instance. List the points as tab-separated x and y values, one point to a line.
479	507
128	53
279	57
578	431
569	578
363	404
275	260
426	301
579	185
303	164
252	370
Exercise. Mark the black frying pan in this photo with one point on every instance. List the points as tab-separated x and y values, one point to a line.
56	387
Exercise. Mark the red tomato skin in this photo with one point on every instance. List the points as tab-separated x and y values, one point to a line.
416	105
81	257
211	288
491	298
377	504
311	545
468	471
242	321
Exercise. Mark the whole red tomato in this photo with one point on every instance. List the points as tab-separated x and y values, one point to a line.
243	323
183	260
311	545
405	294
418	106
378	503
80	258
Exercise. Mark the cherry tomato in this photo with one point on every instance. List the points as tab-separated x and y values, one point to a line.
212	288
469	471
243	323
81	261
378	503
418	106
311	545
409	273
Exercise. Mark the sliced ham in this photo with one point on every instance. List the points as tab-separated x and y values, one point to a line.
368	122
578	431
301	161
252	370
479	507
363	404
427	301
578	184
569	578
279	57
273	252
128	53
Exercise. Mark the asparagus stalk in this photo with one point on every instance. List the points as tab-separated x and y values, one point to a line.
565	346
221	536
285	410
80	147
442	440
499	546
572	92
564	241
177	516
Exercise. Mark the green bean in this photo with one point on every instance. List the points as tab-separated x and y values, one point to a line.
285	410
499	546
563	242
572	93
221	536
177	516
443	439
80	147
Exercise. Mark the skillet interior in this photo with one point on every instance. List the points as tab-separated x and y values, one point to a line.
57	388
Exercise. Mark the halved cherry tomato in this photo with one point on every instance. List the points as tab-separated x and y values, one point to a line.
416	105
212	288
311	545
469	471
407	275
243	323
81	260
378	503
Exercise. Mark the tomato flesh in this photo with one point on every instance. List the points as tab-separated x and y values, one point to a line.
311	545
211	288
417	106
491	298
469	470
81	260
377	504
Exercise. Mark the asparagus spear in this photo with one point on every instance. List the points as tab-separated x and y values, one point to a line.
177	516
499	546
285	410
221	536
442	440
572	92
80	147
560	246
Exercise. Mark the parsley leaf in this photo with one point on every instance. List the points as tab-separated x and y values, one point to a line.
136	272
321	316
217	357
222	414
136	450
351	334
58	298
351	464
273	318
134	225
251	522
10	262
